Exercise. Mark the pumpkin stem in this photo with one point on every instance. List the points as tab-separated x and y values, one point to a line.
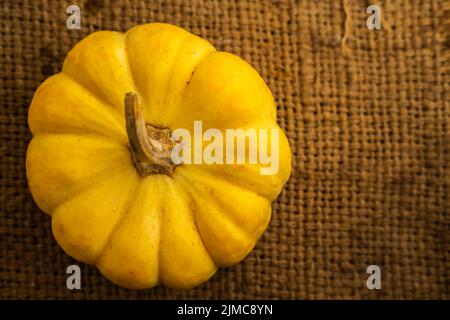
151	147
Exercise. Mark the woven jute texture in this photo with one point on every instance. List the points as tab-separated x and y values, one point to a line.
366	113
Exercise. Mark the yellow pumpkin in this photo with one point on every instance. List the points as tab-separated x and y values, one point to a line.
145	222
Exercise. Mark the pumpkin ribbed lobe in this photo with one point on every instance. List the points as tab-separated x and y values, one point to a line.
151	147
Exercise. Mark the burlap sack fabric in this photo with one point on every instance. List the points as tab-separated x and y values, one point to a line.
366	113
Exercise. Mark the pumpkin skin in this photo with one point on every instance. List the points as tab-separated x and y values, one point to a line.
141	231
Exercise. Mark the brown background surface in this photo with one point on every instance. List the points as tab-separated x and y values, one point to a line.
366	113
